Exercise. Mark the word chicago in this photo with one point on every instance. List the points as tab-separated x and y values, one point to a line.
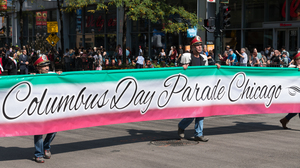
127	94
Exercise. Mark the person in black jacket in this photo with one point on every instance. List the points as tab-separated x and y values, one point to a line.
12	65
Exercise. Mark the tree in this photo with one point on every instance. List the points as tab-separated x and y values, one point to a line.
153	10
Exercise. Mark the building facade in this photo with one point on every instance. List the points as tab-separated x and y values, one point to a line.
254	24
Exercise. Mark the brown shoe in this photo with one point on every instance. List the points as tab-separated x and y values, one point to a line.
284	122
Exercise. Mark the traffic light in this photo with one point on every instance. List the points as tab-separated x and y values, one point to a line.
209	24
226	16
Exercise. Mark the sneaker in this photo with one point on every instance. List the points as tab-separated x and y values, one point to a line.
180	133
201	138
47	154
39	160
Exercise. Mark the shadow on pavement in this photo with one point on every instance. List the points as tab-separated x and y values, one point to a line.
15	153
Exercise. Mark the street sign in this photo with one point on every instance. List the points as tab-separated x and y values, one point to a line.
52	39
52	27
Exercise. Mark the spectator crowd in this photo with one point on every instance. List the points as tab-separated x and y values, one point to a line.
15	60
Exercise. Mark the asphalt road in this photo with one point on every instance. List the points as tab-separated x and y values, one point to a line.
235	141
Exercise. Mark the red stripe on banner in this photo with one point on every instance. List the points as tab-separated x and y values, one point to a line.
38	128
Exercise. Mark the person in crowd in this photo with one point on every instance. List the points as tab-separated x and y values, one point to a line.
162	55
113	61
171	52
23	59
84	58
264	59
275	60
223	58
72	59
90	61
120	52
12	65
106	63
180	52
149	63
284	50
284	60
268	50
155	62
128	55
173	56
194	59
205	51
140	61
227	48
98	60
210	57
58	66
51	59
254	60
243	57
42	147
78	60
284	121
140	50
259	56
119	62
231	59
67	60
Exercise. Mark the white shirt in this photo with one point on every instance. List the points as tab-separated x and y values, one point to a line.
186	58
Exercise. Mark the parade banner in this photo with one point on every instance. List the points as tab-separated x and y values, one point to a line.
38	18
45	103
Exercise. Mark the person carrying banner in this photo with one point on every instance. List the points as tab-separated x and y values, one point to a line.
42	148
194	59
288	117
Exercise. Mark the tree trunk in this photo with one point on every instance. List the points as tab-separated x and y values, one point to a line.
21	23
124	34
61	25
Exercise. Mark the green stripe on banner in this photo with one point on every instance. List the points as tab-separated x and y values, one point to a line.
143	74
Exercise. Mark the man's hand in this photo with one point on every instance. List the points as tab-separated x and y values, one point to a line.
185	66
58	72
26	62
218	65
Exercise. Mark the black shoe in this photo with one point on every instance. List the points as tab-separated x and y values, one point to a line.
39	160
201	138
180	133
47	154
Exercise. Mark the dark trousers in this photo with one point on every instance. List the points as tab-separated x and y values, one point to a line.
291	115
24	71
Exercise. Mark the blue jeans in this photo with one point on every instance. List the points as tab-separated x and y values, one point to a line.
139	66
198	125
291	115
40	146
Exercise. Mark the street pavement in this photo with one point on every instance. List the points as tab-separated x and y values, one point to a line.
255	141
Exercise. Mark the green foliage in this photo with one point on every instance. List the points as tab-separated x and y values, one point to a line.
154	10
